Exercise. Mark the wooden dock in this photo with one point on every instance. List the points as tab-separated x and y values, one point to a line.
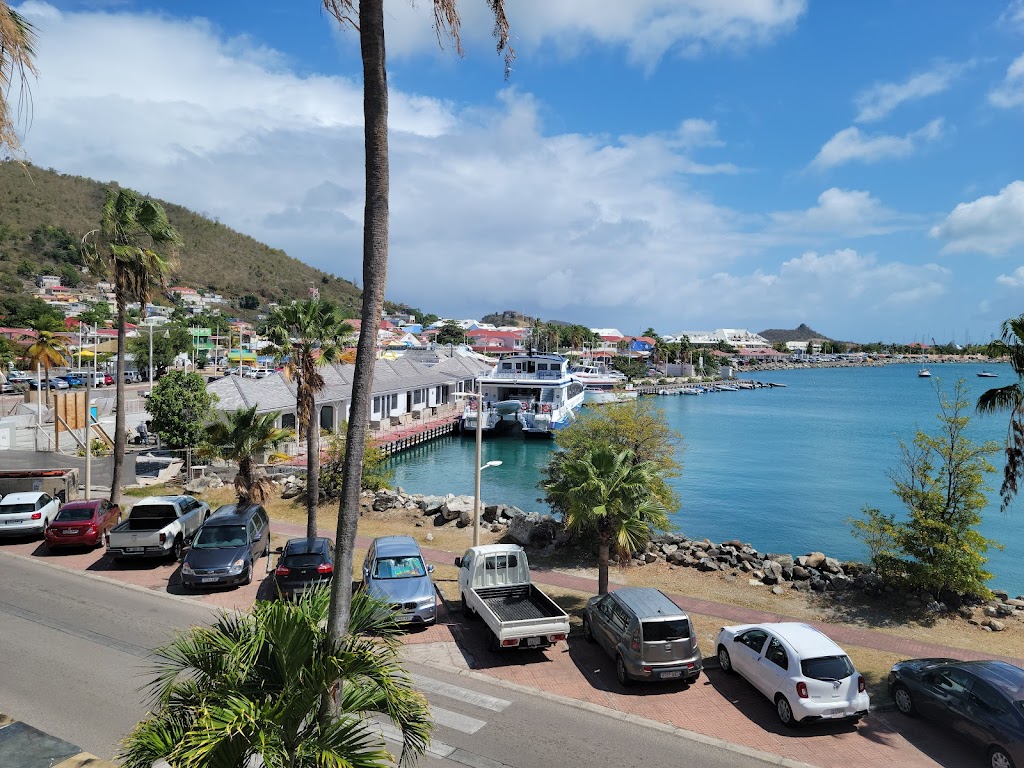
401	440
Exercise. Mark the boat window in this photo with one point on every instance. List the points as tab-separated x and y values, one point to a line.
542	366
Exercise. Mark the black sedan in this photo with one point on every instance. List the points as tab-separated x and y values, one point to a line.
303	565
980	701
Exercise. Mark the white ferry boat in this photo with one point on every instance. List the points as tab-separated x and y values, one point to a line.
534	391
596	375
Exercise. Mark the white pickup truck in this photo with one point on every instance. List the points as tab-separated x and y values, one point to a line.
494	584
158	526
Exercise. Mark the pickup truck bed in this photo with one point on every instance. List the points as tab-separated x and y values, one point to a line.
519	603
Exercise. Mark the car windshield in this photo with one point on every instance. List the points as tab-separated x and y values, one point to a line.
827	668
16	509
220	536
310	560
669	629
398	568
74	515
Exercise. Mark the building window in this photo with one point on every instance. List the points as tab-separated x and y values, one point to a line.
417	397
327	418
376	405
288	421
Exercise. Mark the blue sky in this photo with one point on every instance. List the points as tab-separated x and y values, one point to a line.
681	164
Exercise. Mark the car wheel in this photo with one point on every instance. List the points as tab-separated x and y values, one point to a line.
724	660
998	758
904	701
176	549
468	612
621	674
588	632
248	574
785	712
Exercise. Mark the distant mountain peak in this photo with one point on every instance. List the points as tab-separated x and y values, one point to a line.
802	332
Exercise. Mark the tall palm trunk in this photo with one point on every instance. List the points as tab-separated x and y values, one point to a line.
119	429
603	558
375	274
312	468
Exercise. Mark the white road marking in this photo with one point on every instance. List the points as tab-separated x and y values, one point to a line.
456	720
457	693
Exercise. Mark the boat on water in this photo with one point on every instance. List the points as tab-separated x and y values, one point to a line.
600	396
987	375
532	392
924	373
595	375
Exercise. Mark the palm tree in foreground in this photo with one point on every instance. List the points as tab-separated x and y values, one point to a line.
240	437
17	38
131	228
605	493
48	349
251	686
311	334
1010	398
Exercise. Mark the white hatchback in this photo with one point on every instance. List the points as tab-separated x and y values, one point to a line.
800	669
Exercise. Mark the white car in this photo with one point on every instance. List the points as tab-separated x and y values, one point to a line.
27	513
801	670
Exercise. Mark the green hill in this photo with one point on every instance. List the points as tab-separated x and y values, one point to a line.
44	214
802	333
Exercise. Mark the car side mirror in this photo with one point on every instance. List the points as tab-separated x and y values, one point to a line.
279	551
458	562
430	569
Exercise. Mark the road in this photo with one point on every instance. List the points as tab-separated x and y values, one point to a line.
75	652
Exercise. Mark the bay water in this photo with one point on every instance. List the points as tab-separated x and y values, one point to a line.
782	469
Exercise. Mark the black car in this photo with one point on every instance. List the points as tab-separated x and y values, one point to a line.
304	563
226	546
980	701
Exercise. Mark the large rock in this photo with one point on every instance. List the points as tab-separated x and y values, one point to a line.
432	505
831	565
532	529
782	559
455	506
811	560
772	572
293	490
384	501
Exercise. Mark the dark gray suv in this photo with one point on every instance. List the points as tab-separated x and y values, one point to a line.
648	635
226	546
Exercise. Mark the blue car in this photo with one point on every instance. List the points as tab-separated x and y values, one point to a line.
72	380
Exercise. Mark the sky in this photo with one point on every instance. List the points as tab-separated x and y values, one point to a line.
678	164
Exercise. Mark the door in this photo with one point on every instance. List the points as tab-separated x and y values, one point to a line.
986	716
945	694
600	622
746	650
367	563
773	668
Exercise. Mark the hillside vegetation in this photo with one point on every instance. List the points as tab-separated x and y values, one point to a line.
801	333
44	214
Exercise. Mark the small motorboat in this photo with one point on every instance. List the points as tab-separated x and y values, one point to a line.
924	373
987	375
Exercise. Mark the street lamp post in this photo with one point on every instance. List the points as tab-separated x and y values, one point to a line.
479	468
121	373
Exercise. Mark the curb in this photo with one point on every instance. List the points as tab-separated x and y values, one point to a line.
78	760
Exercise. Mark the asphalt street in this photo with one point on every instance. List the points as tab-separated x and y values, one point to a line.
76	653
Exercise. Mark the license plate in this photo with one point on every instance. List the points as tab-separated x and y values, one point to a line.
836	712
671	675
134	549
70	531
403	617
208	579
533	641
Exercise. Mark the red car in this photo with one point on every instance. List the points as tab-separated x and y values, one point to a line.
82	523
108	380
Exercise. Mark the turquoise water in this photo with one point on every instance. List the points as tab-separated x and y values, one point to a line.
780	468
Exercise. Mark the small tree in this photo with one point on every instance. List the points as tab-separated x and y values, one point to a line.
180	406
637	426
941	481
450	333
376	474
240	437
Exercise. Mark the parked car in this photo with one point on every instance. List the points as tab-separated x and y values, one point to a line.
8	388
303	565
98	378
980	701
394	571
72	380
648	636
108	380
27	513
800	669
55	383
226	546
157	526
82	523
130	377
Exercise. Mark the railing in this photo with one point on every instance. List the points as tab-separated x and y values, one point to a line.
554	375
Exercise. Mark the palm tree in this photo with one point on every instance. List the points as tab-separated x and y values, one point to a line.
130	229
47	350
240	437
311	333
1010	398
608	493
17	38
248	689
368	19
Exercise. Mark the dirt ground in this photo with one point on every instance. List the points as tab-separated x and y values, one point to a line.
849	608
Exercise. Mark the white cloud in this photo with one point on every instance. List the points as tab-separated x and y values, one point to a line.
850	145
1013	280
646	29
990	224
1014	14
880	99
1010	92
589	223
854	213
